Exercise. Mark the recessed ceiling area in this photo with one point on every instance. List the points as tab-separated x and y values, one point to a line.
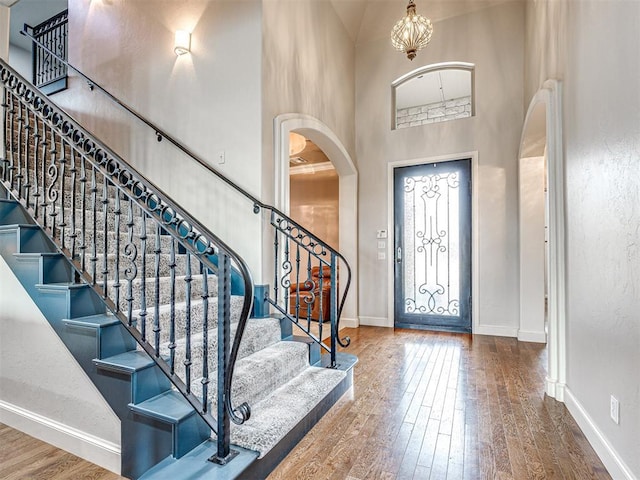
368	20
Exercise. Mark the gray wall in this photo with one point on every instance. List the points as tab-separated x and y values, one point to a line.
493	40
593	47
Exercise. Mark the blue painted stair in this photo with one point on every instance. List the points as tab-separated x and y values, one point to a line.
162	437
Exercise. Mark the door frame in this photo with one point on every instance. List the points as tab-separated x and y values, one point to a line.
475	320
550	97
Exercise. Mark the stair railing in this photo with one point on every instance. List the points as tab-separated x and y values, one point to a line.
124	237
308	302
49	73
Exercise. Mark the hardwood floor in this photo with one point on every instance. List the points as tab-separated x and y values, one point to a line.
439	406
424	405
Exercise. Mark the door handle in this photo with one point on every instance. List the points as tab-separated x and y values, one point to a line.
399	255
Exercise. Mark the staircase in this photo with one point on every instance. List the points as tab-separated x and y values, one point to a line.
155	308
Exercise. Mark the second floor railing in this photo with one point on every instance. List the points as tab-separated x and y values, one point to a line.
48	64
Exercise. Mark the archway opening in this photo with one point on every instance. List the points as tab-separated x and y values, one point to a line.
542	162
347	203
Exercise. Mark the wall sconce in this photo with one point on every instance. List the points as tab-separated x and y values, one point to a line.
182	42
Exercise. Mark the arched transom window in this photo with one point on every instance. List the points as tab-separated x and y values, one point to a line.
431	94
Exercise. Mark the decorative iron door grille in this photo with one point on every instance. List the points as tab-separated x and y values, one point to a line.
433	246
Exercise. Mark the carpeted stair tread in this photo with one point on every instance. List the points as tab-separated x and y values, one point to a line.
274	416
259	333
197	311
262	372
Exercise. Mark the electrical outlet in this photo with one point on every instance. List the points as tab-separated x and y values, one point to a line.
615	410
221	157
382	255
382	244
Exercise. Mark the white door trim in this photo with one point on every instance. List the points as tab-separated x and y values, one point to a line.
551	95
475	319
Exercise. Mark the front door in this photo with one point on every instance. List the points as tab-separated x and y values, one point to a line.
432	218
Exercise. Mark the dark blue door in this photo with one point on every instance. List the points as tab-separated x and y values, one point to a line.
432	217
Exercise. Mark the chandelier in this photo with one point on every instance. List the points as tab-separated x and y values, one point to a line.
411	33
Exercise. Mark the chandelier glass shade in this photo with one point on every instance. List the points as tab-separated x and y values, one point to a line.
411	33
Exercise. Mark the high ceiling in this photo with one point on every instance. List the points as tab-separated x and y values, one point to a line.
368	20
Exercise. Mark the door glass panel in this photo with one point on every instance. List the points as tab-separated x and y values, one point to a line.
431	240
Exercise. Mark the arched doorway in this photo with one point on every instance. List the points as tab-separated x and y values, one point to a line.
328	142
542	168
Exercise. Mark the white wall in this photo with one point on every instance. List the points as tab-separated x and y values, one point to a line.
308	69
595	52
531	173
493	40
208	99
20	60
44	392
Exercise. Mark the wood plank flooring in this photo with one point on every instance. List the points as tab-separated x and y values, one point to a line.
424	405
443	406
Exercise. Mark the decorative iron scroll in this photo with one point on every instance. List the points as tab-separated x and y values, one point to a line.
431	240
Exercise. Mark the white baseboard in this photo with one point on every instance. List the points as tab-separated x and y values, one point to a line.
612	461
531	336
93	449
349	323
555	389
495	330
376	322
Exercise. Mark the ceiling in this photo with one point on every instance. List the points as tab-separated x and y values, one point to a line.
31	12
368	20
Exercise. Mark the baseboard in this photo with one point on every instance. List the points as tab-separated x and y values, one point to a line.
375	322
495	330
555	389
531	336
612	461
349	323
93	449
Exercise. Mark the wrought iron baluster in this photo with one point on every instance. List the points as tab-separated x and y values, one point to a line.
156	320
143	276
105	239
333	305
311	297
53	173
20	147
130	273
205	338
297	312
74	179
83	201
187	359
172	307
94	235
224	333
276	269
36	167
45	195
27	156
63	166
116	274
